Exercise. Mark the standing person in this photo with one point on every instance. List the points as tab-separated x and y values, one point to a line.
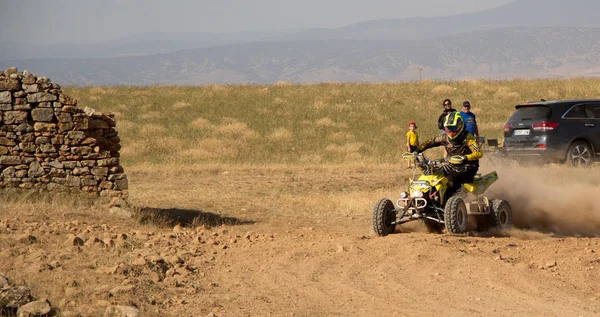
470	120
412	138
447	109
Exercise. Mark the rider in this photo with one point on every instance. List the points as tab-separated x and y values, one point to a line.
462	149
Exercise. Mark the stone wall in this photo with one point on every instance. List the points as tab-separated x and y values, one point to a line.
48	144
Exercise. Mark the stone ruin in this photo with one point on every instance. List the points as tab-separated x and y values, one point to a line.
48	144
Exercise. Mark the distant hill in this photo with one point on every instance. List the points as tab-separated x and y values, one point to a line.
497	53
151	43
525	38
521	13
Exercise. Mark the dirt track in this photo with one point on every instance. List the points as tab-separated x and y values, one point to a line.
307	249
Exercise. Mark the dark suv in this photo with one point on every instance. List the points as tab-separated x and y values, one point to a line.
555	131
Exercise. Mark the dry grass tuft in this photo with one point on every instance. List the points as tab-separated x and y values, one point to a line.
327	122
442	90
181	105
340	137
201	124
348	148
236	130
281	134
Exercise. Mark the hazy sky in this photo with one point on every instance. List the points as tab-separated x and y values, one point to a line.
89	21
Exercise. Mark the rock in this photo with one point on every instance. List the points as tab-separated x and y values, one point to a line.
31	88
9	84
120	212
34	309
178	228
121	289
10	160
35	169
100	171
11	71
93	242
42	114
3	282
89	111
73	181
13	117
40	97
118	202
13	297
550	264
121	311
108	162
81	171
76	135
27	239
64	117
5	97
44	127
75	241
174	260
121	184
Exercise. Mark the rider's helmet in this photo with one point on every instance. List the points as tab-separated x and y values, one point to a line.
454	125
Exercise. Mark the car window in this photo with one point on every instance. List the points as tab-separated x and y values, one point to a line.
593	111
576	112
531	113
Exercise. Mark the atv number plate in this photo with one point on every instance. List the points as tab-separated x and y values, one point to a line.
521	132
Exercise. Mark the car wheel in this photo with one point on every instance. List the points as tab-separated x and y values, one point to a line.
579	154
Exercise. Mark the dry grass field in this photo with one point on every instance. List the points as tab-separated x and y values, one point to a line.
302	124
257	200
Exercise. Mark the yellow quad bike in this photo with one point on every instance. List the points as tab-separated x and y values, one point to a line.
425	201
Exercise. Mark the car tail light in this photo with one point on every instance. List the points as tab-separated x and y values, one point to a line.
544	126
507	127
540	146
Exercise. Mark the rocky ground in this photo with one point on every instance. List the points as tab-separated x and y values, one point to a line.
280	242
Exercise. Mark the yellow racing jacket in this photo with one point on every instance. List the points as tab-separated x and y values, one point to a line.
468	147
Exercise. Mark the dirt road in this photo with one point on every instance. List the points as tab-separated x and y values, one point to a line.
297	241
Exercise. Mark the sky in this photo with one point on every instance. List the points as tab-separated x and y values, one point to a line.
92	21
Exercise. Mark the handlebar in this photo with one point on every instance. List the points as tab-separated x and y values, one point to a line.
428	166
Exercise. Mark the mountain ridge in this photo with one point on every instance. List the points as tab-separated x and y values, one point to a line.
498	53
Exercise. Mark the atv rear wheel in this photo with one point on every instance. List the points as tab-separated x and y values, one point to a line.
455	215
501	214
383	216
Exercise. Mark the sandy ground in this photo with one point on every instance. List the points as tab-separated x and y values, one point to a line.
297	241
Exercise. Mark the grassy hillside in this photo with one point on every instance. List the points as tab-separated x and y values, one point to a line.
294	124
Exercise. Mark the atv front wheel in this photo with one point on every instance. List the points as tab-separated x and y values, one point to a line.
455	215
501	214
383	216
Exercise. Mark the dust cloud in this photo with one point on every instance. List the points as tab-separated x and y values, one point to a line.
549	199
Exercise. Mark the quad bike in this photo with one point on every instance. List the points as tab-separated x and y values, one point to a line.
426	201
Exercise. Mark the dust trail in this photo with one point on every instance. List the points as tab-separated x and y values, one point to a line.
553	199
